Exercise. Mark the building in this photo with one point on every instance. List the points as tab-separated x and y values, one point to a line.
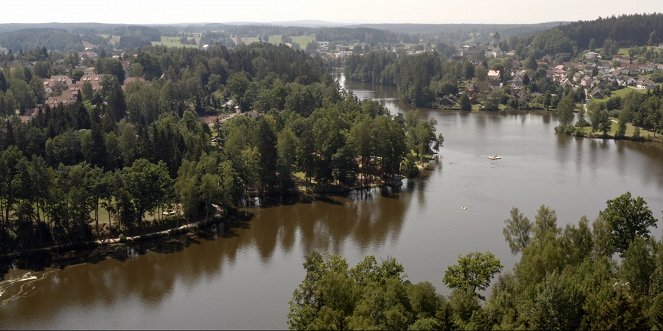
94	80
57	83
493	74
67	98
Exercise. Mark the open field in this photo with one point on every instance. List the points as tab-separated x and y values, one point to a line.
172	42
250	40
645	134
275	39
620	93
303	41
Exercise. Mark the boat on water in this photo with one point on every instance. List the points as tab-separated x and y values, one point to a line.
494	157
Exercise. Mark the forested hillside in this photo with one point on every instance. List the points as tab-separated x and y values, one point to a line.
625	30
52	39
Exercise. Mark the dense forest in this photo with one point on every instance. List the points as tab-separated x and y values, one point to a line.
625	30
567	278
132	152
455	34
52	39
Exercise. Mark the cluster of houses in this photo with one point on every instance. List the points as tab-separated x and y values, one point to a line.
63	90
594	73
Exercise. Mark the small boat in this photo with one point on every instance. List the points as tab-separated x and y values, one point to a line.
494	157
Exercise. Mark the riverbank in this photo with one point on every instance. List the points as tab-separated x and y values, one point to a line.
632	133
175	238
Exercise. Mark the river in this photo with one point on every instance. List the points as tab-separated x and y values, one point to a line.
244	280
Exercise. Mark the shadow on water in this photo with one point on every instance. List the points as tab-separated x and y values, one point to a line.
150	271
43	260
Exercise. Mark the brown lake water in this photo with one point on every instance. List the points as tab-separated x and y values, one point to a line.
244	281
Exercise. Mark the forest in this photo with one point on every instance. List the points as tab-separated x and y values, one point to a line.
26	39
136	151
604	275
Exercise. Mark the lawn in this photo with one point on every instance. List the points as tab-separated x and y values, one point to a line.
620	93
613	129
303	41
275	39
171	42
250	40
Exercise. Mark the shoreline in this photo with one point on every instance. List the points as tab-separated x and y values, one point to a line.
166	240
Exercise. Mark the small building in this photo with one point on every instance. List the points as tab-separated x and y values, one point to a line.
493	74
645	84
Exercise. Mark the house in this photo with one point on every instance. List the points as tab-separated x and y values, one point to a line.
631	81
516	85
94	80
586	81
493	74
323	46
57	83
645	84
595	93
67	98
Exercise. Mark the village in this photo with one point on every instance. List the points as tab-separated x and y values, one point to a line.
507	77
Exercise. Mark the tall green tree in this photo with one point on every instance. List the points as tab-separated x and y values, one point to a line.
627	218
473	272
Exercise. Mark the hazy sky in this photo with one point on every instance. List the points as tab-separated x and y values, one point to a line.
370	11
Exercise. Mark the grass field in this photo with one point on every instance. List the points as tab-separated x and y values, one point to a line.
624	51
275	39
250	40
645	134
620	93
303	41
172	42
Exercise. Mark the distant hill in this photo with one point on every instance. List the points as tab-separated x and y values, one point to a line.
10	27
296	23
506	30
52	39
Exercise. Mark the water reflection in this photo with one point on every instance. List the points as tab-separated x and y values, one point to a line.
366	221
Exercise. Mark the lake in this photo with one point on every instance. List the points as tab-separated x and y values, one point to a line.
245	280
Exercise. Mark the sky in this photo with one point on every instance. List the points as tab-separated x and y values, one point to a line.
341	11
